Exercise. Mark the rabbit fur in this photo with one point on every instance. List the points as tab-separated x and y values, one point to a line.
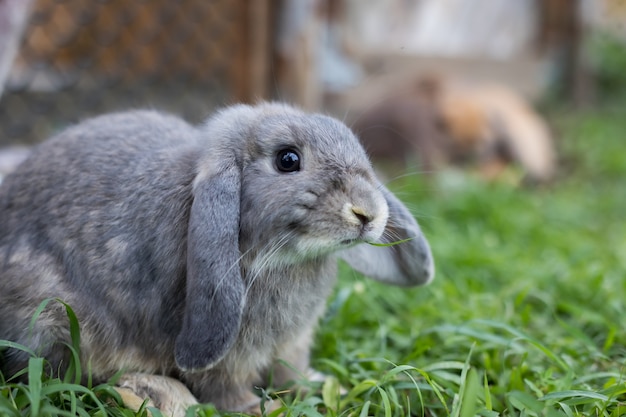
186	252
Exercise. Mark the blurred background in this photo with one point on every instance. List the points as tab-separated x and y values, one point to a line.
427	84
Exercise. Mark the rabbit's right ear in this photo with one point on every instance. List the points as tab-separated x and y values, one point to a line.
215	288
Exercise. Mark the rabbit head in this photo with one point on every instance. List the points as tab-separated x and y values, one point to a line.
278	188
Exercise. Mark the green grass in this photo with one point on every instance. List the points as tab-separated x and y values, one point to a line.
526	316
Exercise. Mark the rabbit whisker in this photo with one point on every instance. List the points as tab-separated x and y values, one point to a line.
223	278
392	236
257	270
265	257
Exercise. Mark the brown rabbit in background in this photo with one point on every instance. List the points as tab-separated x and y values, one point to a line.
204	253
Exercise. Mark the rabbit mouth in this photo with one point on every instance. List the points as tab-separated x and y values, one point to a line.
350	242
363	237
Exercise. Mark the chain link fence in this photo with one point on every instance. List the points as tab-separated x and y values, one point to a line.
83	57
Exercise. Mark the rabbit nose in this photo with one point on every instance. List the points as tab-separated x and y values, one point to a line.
362	215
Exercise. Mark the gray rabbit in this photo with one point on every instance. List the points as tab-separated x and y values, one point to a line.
204	253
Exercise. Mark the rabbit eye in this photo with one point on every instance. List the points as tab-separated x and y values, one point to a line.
288	160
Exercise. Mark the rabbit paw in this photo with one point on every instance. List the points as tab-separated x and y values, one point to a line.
169	395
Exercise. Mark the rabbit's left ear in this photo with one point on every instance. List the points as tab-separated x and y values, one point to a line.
215	288
408	263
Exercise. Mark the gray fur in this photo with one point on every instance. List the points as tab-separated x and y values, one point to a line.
182	249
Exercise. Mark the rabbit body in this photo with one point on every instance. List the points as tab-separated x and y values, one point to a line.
184	251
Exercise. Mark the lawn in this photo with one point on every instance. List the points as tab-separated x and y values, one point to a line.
525	316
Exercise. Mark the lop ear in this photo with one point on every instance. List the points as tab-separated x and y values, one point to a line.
408	263
215	288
